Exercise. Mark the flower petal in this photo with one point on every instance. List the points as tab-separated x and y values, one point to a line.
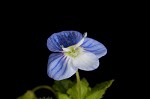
64	38
86	61
60	67
95	47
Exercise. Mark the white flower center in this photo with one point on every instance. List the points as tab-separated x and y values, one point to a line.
75	50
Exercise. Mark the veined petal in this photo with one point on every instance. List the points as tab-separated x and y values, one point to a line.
81	41
60	67
94	46
67	71
64	38
86	61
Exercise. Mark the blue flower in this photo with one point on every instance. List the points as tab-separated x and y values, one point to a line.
73	51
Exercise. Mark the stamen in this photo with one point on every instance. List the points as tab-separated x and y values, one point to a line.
65	49
81	41
85	35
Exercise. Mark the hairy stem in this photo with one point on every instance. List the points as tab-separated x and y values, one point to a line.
78	85
44	87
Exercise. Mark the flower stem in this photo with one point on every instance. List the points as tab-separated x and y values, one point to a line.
78	85
44	87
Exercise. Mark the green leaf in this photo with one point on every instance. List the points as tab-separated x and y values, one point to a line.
62	86
28	95
63	96
73	92
99	90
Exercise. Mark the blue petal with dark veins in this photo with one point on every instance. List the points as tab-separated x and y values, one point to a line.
64	38
60	67
95	47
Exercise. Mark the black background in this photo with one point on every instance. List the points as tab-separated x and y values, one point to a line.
112	27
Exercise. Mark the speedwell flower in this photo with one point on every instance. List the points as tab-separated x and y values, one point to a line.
73	52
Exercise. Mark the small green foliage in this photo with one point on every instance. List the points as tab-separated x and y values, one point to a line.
63	96
66	89
62	86
28	95
73	92
99	90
